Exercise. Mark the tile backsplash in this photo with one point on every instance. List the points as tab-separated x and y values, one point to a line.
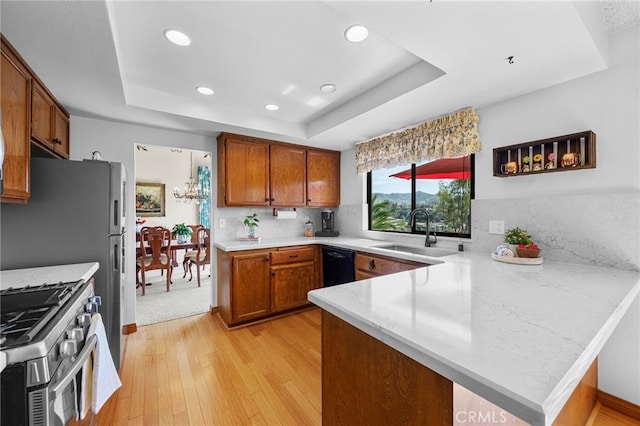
601	229
269	227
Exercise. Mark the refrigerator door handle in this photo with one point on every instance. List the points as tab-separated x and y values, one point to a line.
116	257
116	214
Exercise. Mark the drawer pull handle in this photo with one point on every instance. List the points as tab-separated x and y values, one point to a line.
293	255
372	264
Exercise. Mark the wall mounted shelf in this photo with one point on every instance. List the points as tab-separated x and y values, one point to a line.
576	151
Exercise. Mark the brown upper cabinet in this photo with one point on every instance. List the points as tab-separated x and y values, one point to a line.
30	114
49	123
16	123
255	172
323	178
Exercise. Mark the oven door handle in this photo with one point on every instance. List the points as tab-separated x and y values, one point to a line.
88	347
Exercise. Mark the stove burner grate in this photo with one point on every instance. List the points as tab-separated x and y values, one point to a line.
25	311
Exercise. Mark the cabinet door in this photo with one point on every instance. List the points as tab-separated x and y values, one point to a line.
250	295
42	116
16	118
323	178
61	133
288	176
246	177
290	284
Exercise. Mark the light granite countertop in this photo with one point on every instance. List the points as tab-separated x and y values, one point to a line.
18	278
358	244
520	336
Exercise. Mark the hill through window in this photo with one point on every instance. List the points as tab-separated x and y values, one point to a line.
444	187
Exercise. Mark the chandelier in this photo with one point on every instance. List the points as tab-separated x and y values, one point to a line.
192	190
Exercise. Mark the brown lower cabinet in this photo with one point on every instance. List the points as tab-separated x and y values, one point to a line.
256	284
372	265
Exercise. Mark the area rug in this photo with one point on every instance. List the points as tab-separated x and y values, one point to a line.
184	299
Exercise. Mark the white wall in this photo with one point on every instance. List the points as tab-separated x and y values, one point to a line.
587	216
116	142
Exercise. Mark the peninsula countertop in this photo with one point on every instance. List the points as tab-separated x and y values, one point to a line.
520	336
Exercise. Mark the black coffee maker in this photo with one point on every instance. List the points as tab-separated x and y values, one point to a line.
327	230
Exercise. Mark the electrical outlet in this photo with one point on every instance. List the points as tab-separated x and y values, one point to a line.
222	223
496	227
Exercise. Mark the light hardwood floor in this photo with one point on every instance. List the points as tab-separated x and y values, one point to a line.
192	371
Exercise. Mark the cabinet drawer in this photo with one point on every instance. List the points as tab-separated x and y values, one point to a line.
289	255
377	265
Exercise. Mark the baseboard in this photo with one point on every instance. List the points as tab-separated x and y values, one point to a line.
213	310
129	328
627	408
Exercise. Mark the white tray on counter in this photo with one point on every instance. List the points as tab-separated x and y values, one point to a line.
517	260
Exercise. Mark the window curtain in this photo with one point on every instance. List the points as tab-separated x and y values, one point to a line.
204	180
453	135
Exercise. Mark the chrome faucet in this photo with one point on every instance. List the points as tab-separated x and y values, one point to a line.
412	220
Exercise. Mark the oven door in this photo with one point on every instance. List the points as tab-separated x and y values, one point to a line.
57	403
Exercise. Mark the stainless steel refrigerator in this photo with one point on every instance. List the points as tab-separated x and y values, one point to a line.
75	214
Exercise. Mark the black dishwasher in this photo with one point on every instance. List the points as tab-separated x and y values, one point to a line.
337	266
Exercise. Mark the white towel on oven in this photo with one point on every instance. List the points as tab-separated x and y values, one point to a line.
104	377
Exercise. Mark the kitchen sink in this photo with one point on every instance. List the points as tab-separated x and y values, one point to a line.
424	251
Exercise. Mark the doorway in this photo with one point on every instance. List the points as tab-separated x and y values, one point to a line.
166	170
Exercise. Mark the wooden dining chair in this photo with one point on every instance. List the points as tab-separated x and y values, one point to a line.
155	246
200	254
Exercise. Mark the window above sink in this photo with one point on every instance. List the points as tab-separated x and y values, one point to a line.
444	187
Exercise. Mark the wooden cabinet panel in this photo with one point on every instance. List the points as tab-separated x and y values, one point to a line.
255	172
290	284
293	254
367	382
256	284
368	266
294	272
288	176
41	116
246	173
49	124
16	119
363	275
250	286
323	178
61	133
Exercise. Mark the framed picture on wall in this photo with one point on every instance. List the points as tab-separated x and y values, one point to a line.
149	199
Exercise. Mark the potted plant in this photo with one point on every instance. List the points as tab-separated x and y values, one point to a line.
251	221
517	236
182	232
524	246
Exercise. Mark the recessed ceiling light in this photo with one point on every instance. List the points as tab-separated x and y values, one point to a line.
328	88
356	33
176	37
271	107
204	90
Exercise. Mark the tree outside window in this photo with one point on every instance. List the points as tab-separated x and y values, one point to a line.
448	200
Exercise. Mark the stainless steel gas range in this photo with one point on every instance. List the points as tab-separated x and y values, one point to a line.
43	336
